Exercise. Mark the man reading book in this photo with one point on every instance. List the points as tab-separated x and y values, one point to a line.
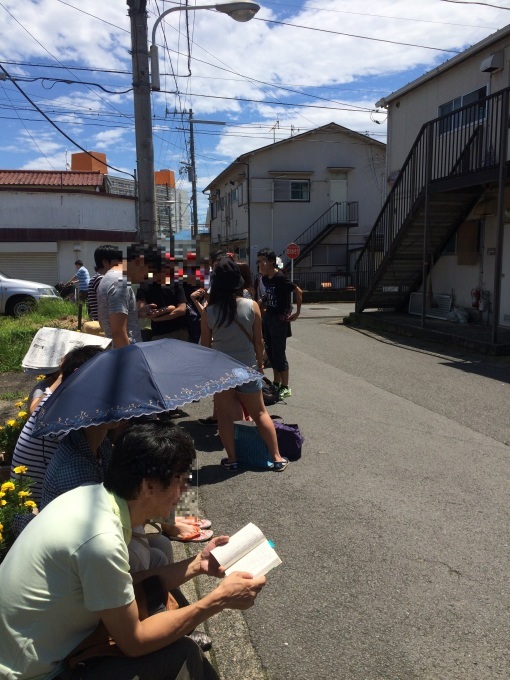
69	571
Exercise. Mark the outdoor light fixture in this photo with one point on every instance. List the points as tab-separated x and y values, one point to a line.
244	10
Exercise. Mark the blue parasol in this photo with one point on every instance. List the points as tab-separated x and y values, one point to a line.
138	380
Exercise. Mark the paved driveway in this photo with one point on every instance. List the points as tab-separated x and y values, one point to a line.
393	527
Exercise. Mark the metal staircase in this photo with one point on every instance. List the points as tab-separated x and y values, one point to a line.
450	164
344	213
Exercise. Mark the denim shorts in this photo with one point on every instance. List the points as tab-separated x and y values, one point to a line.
250	387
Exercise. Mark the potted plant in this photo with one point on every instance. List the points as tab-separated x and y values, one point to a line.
14	501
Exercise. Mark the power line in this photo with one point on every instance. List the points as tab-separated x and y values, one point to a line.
380	16
360	37
463	2
70	139
285	104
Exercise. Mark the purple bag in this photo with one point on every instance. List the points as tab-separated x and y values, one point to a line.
290	440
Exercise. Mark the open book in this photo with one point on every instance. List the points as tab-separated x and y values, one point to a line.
248	550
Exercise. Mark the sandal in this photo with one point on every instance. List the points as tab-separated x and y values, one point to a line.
191	519
208	421
280	465
229	465
196	537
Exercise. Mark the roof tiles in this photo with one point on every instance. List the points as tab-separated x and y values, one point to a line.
50	178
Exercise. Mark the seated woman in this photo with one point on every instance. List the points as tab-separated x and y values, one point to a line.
232	324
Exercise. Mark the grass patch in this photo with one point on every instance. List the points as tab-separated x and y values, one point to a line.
16	335
11	396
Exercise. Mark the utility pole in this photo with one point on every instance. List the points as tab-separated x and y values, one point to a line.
193	172
143	121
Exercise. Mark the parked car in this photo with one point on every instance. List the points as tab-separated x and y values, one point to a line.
17	297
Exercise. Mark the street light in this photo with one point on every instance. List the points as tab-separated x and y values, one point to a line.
239	11
243	10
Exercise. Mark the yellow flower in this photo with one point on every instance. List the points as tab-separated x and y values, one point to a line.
22	414
11	423
25	398
20	470
24	494
2	503
1	537
30	504
1	526
40	377
19	404
7	486
1	427
2	494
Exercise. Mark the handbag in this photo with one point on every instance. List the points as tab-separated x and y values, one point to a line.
151	597
270	393
290	439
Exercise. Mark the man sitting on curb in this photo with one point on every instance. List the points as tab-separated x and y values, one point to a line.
69	570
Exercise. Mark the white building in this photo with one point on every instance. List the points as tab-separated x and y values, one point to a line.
50	219
321	189
445	227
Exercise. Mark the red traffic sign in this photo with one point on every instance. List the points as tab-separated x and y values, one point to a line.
292	251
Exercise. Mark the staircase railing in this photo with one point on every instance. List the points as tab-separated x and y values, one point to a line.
344	212
462	142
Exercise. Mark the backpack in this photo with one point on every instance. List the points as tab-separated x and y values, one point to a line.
270	393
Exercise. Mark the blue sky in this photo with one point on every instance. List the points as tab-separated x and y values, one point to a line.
266	79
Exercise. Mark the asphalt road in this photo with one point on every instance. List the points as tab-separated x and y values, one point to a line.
393	527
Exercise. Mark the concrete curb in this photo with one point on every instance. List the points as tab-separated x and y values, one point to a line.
233	654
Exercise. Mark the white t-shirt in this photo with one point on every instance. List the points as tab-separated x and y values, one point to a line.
114	295
70	563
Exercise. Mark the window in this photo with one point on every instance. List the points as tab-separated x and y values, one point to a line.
291	190
214	210
329	255
467	117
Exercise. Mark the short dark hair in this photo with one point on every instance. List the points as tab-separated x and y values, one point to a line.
152	255
217	254
155	450
79	262
76	358
268	254
108	253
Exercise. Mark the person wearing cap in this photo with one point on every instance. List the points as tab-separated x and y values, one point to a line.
232	324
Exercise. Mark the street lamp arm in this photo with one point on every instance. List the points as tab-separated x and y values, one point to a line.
244	10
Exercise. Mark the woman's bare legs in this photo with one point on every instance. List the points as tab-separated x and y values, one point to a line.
254	404
228	409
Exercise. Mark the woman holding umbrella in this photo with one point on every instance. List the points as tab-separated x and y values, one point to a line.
232	324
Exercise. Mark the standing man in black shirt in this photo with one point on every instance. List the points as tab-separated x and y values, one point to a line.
279	314
168	318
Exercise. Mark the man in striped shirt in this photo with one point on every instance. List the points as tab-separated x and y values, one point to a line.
92	293
36	452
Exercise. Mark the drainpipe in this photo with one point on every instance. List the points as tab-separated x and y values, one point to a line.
498	265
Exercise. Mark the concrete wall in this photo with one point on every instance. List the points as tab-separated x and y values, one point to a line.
49	210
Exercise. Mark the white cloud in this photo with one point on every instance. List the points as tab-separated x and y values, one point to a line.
230	61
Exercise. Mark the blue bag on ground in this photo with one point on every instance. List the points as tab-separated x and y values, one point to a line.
251	450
